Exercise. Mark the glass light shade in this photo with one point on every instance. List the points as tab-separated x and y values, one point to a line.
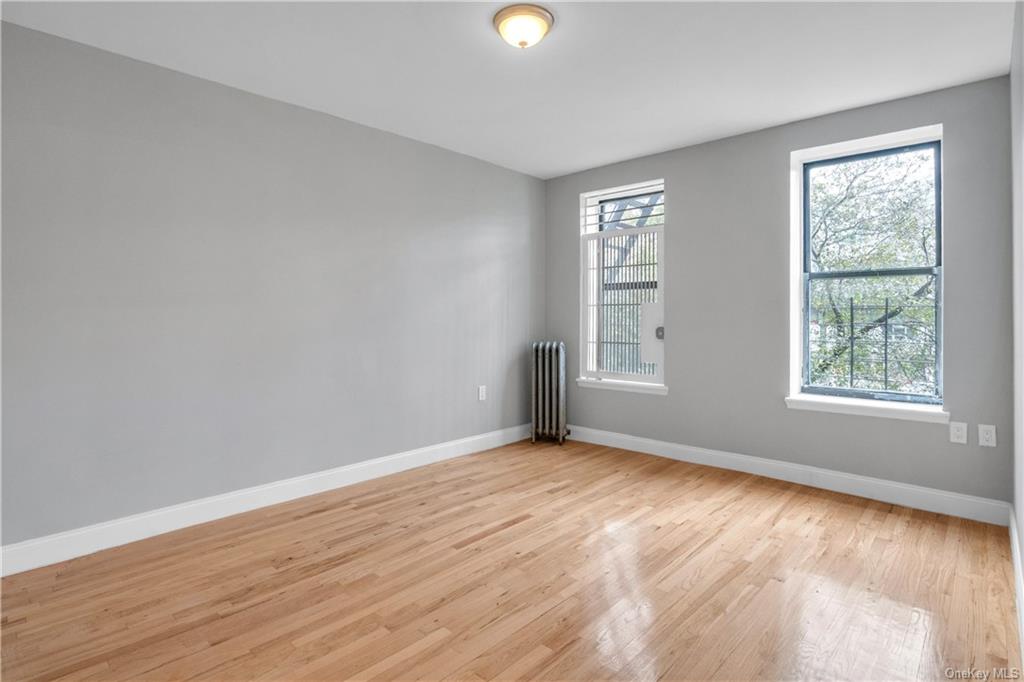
523	25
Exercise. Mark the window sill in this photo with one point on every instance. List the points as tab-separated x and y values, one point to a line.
617	385
869	408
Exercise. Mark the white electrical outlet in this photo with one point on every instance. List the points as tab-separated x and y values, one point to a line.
481	392
958	432
986	435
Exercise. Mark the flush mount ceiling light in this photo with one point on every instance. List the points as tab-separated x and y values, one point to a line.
523	25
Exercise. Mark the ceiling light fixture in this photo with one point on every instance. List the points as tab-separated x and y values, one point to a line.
523	25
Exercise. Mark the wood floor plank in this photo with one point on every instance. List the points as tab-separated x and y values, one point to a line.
574	562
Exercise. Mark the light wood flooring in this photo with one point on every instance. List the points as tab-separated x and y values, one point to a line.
540	562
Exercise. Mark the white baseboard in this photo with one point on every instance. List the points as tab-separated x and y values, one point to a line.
51	549
915	496
58	547
1018	579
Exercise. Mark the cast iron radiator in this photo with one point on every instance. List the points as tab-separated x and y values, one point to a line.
548	391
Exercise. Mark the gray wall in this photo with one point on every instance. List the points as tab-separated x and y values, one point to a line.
205	290
727	205
1017	125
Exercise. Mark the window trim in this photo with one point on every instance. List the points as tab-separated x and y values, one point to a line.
868	402
918	412
611	380
622	385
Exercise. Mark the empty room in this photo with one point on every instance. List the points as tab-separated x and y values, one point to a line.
487	341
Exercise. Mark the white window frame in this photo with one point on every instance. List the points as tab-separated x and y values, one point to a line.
796	398
611	380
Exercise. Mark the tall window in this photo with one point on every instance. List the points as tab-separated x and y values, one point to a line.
872	264
621	249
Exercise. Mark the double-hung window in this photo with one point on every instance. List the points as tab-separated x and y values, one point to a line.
871	274
622	287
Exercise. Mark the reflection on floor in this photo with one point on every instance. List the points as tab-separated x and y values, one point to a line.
536	562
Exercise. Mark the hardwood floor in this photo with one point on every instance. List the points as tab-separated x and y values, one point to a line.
532	562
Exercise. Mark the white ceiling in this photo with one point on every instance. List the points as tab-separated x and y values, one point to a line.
612	81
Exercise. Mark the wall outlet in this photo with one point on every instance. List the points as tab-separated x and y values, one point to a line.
958	432
481	392
986	435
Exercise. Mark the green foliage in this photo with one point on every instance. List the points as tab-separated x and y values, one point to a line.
875	332
873	213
